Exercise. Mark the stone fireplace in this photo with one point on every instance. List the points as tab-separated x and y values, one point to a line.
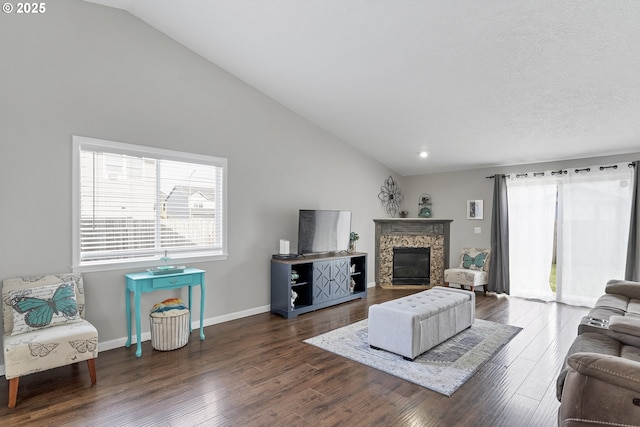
407	233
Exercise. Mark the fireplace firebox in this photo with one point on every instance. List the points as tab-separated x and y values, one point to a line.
411	266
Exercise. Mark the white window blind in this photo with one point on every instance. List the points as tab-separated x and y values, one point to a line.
134	204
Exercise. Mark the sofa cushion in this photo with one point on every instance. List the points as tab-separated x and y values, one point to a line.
613	301
43	306
625	325
604	313
633	309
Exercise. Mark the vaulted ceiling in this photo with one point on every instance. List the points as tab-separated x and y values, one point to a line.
473	83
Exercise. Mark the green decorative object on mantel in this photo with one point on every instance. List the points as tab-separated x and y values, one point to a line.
424	206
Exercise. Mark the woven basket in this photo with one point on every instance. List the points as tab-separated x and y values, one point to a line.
170	332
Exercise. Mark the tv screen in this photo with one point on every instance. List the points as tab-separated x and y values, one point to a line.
321	231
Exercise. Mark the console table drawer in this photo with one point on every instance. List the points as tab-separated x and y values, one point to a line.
169	282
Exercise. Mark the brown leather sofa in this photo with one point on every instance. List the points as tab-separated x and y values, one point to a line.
599	383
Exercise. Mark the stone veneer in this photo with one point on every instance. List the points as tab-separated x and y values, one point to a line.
435	243
411	233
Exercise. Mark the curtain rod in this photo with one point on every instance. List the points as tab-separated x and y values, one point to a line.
563	171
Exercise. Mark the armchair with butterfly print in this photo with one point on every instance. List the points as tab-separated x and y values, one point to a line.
473	270
44	327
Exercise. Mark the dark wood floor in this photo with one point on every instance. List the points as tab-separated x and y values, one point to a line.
257	371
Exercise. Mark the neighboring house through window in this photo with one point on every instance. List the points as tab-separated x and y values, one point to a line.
133	204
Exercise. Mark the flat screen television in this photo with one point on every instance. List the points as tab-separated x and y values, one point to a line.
323	231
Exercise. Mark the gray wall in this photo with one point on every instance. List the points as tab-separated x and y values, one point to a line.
95	71
450	192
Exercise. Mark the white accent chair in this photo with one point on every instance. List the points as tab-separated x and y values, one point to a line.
30	345
472	271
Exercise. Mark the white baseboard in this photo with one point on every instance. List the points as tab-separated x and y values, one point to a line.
195	324
371	285
146	336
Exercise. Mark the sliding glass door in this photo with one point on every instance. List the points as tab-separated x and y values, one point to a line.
532	216
590	209
593	230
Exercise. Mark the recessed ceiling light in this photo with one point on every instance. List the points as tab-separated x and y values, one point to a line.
424	154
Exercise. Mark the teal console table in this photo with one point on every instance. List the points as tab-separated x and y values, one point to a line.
138	283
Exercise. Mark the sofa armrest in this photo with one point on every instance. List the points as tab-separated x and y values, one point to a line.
625	325
623	287
610	369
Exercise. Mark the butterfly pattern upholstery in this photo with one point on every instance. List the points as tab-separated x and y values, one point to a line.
43	307
472	272
474	262
45	344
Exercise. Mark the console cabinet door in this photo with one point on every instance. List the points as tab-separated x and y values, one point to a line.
340	278
322	280
330	280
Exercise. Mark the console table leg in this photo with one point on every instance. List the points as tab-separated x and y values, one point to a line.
202	294
136	297
127	305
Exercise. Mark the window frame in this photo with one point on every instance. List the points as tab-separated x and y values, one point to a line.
82	143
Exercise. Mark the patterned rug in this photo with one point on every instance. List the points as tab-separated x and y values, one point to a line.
443	369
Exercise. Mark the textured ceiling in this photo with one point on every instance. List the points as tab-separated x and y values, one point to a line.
474	83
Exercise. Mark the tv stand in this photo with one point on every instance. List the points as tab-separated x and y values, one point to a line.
316	281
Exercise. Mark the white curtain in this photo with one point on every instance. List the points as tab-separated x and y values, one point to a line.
532	213
593	230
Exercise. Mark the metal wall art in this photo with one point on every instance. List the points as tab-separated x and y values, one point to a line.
391	197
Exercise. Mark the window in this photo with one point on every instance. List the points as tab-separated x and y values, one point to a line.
134	204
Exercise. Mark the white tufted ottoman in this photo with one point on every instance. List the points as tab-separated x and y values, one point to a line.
411	325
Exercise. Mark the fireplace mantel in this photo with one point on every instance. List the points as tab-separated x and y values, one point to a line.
411	232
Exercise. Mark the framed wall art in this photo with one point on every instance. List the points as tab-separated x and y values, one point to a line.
474	209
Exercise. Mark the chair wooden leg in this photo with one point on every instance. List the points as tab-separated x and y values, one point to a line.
91	363
13	391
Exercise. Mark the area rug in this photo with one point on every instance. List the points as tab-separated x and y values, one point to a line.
443	369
